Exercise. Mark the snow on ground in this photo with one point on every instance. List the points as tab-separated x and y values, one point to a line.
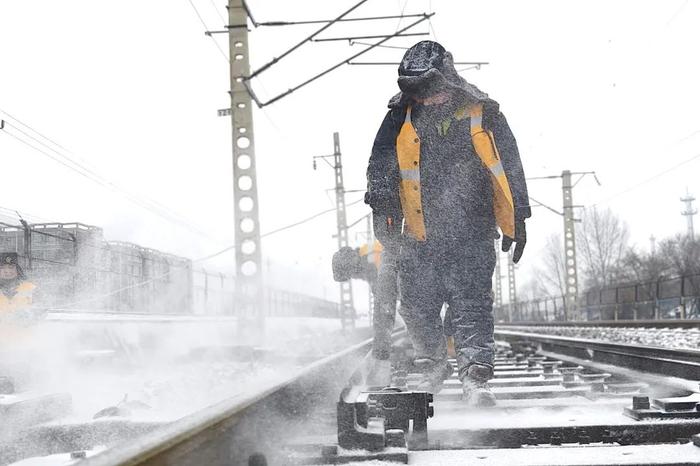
676	338
61	459
175	366
160	369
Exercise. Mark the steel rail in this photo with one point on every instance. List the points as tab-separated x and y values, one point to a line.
233	430
72	316
651	323
683	363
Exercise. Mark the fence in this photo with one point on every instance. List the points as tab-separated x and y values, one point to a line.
75	268
214	293
666	298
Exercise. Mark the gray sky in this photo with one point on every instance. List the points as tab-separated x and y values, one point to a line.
132	88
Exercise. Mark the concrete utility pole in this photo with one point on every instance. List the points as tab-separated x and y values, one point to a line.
689	212
249	284
371	255
497	288
571	276
569	244
347	309
512	296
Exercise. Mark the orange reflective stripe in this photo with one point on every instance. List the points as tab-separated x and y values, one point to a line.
408	154
374	255
486	149
21	299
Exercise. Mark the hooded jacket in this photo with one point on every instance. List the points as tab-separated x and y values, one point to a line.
16	297
451	166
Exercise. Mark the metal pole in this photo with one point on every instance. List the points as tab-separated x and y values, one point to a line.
27	232
569	245
347	309
689	212
249	284
497	288
371	253
512	296
682	297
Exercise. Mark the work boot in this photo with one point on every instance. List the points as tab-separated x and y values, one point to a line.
475	390
379	373
434	374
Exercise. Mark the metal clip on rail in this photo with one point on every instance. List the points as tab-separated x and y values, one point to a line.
377	420
683	407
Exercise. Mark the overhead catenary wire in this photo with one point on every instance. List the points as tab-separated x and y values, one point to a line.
129	196
249	13
376	36
476	64
397	47
678	141
676	13
43	139
306	220
313	38
32	129
358	221
278	230
474	67
303	41
647	180
342	20
221	17
201	20
541	204
403	9
52	157
338	65
430	22
72	164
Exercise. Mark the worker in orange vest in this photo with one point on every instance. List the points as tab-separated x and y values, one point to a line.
377	266
445	166
15	290
15	312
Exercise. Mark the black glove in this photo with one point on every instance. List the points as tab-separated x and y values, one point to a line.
520	240
346	263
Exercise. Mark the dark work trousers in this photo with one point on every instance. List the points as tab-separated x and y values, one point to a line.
459	274
384	291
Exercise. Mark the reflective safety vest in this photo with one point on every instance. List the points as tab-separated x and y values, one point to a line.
375	255
20	300
408	154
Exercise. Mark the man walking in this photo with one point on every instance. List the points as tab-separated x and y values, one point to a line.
446	165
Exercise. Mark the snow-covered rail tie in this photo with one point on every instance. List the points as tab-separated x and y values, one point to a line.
559	401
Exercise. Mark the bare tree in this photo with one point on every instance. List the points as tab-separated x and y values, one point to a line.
602	242
682	255
552	277
643	267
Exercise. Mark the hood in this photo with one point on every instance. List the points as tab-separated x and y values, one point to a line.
448	78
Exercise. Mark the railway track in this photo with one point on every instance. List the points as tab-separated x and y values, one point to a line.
560	401
647	323
678	335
